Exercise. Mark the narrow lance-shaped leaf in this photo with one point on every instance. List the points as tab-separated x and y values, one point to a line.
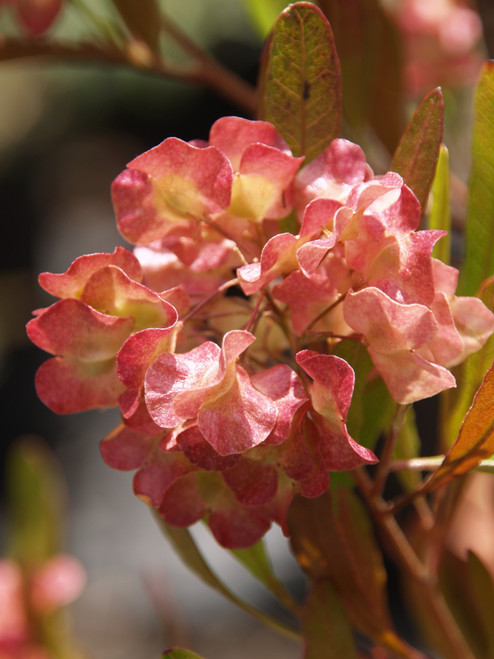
300	82
325	626
186	548
417	153
476	439
440	216
479	250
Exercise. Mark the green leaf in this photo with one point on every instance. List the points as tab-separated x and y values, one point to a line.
300	82
186	548
180	653
369	47
479	251
143	19
476	439
36	500
263	13
440	215
417	153
325	626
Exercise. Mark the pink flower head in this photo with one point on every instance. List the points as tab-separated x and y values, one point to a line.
171	183
263	165
206	383
36	16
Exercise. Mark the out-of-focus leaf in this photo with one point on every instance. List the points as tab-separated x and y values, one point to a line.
479	250
180	653
370	51
483	586
440	215
417	153
300	82
264	13
185	546
339	545
327	632
476	439
36	498
256	560
143	19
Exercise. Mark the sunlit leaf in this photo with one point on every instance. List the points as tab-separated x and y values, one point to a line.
476	439
185	546
479	250
300	87
264	13
142	18
327	632
440	215
417	153
370	48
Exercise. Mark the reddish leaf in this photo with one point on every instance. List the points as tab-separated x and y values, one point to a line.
300	86
476	439
327	632
418	151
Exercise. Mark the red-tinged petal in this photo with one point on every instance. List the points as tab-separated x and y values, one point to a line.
171	374
140	350
70	386
239	419
263	187
153	479
277	258
72	329
182	504
71	282
474	322
447	344
284	387
311	255
332	174
333	383
170	183
126	449
388	326
340	452
232	135
409	377
38	16
135	413
178	298
238	527
445	278
200	452
252	482
301	460
319	214
110	291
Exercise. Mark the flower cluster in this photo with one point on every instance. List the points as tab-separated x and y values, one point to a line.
28	598
215	337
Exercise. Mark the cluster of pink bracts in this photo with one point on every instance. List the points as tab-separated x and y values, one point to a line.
215	336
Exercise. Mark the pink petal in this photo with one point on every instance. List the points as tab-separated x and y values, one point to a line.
153	480
252	482
277	258
37	16
58	582
340	451
125	449
232	135
200	453
318	214
71	282
182	503
237	527
239	419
